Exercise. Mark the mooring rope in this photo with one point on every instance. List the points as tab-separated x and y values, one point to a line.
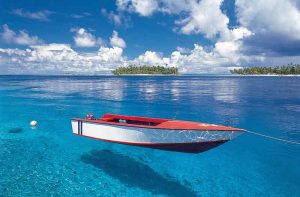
274	138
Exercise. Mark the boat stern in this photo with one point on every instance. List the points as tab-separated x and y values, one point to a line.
76	124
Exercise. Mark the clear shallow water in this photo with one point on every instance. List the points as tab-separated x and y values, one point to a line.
49	160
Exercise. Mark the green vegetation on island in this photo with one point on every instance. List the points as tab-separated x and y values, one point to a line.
145	70
290	69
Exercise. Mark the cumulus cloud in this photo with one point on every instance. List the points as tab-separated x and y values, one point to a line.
149	7
183	50
142	7
276	25
21	37
199	17
83	38
116	41
151	58
59	58
220	59
146	7
225	54
42	15
62	58
205	17
263	32
174	6
276	16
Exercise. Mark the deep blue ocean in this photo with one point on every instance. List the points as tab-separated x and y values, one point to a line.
50	161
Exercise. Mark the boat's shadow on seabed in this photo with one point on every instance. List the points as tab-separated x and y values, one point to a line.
134	173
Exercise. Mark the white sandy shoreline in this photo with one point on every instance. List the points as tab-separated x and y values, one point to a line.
179	75
144	75
265	75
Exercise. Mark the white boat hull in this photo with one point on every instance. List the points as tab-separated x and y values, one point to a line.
167	139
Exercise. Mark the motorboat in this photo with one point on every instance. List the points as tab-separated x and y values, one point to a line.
157	133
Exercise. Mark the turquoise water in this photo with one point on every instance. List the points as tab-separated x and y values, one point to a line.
49	160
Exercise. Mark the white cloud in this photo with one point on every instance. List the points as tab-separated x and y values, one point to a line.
201	61
78	16
118	18
59	58
62	58
183	50
265	16
21	38
220	59
275	23
83	38
175	6
110	54
240	33
145	7
151	58
199	17
149	7
262	24
265	20
142	7
42	15
115	18
116	41
205	17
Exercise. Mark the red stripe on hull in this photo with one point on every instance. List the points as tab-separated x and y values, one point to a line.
191	147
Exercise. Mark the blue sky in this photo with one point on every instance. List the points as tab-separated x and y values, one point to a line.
207	36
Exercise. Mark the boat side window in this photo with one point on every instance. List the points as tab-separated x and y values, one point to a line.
136	122
122	121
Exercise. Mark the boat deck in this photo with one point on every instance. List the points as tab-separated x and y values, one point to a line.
155	123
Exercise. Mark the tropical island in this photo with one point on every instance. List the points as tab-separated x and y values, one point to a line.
145	70
290	69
